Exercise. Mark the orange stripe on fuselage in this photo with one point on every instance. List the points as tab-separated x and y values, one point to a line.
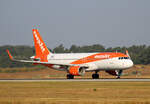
97	57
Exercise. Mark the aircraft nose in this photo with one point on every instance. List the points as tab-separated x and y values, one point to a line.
130	63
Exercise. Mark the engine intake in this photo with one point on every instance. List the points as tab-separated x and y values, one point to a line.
76	70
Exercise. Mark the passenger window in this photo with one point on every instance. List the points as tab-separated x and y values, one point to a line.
120	58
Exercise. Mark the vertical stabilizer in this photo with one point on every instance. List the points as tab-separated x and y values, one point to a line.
40	48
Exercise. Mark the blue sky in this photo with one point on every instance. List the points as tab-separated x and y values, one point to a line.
82	22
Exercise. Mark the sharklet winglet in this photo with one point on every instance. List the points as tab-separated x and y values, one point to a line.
9	54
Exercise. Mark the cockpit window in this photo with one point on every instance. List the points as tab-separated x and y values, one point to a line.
126	57
120	58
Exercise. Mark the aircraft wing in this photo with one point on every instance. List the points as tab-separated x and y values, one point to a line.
39	62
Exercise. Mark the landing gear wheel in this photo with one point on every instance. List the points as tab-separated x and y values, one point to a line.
95	76
69	76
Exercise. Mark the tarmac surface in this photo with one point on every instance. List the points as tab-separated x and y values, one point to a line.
75	80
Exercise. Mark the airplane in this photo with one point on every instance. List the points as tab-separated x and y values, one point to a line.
76	64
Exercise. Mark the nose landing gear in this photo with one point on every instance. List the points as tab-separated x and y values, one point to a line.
118	77
119	74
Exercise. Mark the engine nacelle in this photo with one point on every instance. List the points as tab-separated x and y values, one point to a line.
76	70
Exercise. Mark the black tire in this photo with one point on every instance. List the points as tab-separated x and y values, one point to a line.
95	76
69	76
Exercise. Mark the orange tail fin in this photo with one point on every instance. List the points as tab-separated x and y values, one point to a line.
40	48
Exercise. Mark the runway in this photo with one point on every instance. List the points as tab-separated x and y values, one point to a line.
74	80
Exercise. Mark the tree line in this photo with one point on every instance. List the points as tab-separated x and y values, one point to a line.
140	54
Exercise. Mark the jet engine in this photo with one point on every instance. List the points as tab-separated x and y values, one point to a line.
76	70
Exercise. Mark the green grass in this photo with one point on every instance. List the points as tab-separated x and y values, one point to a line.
74	92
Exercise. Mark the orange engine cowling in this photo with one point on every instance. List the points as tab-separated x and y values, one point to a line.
76	70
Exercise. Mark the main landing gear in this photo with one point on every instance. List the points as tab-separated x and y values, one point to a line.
69	76
95	75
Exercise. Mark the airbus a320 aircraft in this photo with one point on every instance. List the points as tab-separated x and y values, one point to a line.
76	64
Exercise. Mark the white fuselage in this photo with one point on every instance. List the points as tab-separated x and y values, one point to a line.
104	64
